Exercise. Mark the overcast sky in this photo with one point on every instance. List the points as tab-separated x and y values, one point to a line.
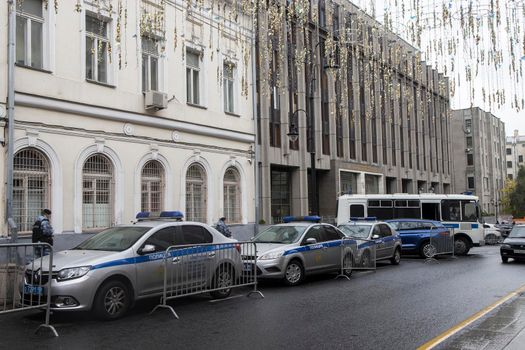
487	76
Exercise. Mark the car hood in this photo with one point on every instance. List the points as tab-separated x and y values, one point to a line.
263	248
75	258
513	240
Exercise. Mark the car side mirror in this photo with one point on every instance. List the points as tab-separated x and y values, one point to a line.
311	241
375	237
148	248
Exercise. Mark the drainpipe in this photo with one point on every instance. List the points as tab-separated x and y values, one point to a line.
11	115
256	129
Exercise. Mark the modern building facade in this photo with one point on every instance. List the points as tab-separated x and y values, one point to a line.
515	153
341	97
129	106
478	144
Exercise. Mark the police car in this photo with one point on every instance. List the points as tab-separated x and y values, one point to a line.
372	233
302	246
109	271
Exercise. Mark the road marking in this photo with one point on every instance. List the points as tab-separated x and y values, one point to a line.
228	298
460	326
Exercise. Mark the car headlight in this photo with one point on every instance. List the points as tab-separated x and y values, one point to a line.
506	246
71	273
271	256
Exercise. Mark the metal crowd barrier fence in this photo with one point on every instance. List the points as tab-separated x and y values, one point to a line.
208	268
441	243
25	282
357	254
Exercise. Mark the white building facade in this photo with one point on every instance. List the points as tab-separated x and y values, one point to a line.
515	154
128	106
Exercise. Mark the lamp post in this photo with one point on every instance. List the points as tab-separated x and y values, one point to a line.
293	133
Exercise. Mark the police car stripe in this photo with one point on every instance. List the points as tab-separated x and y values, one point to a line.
318	246
160	255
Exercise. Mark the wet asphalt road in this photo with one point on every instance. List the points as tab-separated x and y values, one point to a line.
397	307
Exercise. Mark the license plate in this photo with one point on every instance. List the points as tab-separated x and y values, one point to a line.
35	290
248	267
519	251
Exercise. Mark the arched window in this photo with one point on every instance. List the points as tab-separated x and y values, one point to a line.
31	187
196	193
97	192
232	196
152	186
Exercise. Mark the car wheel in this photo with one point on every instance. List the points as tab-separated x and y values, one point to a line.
224	277
365	259
504	259
461	246
427	250
294	273
112	300
396	259
348	265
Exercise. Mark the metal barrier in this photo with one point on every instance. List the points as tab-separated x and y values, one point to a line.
357	254
208	268
25	284
440	243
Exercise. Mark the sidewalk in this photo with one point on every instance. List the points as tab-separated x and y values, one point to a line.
502	329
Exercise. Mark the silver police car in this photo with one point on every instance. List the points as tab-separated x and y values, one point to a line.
109	271
302	246
371	233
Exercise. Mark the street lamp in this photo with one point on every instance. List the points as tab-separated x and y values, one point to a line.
293	133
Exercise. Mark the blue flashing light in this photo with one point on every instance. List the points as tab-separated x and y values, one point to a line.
175	214
468	193
368	218
142	215
309	218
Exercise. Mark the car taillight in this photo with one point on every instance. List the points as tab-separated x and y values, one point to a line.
238	247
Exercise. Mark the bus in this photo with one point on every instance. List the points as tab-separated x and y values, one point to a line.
457	211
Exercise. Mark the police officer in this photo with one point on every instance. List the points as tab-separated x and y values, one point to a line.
223	228
43	231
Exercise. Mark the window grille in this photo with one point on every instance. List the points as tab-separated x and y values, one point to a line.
97	192
232	196
152	186
31	187
196	193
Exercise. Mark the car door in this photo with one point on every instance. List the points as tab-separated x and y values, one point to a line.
197	263
332	246
389	240
150	270
410	232
380	246
314	254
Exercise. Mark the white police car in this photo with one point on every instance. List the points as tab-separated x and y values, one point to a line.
376	240
109	271
302	246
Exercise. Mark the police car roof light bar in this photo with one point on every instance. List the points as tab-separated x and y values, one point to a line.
308	218
368	218
142	215
164	215
175	214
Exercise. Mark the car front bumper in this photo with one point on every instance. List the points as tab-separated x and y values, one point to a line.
511	253
271	269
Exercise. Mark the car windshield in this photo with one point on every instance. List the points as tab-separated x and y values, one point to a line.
360	231
115	239
517	232
280	234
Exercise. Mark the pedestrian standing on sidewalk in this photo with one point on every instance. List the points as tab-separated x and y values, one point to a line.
43	231
223	228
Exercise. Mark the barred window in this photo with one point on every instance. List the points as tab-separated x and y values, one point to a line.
152	186
31	187
232	196
196	193
97	192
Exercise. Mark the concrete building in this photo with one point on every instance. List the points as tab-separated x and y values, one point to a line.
478	144
515	153
365	114
118	110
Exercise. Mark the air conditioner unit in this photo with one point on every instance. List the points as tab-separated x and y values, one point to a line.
155	100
